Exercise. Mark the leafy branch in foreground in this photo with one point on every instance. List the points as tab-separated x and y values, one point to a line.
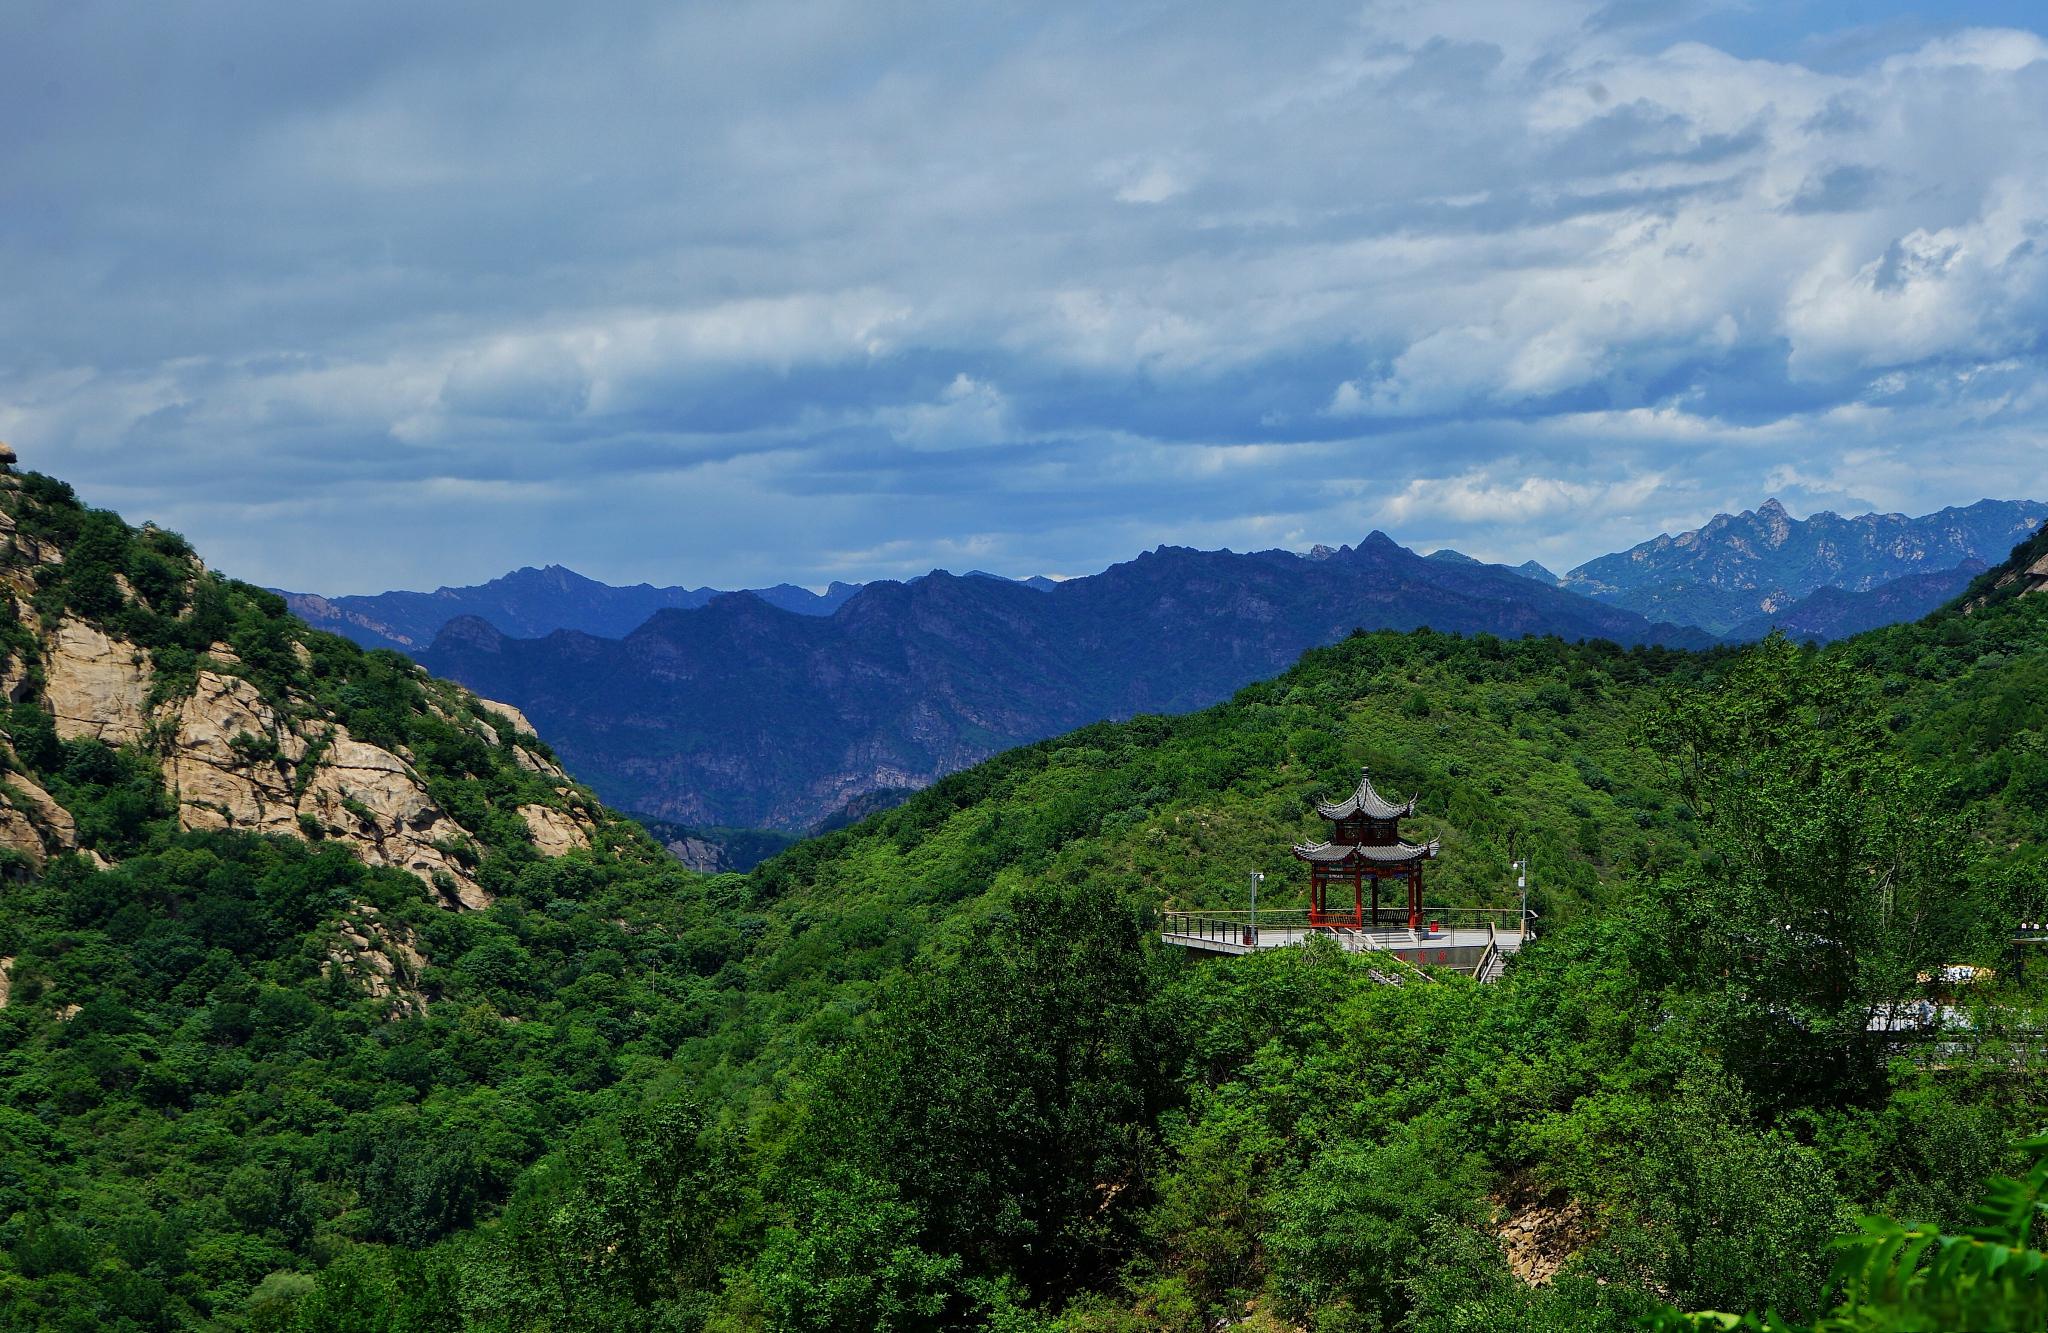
1900	1277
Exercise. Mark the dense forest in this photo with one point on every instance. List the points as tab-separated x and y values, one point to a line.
935	1071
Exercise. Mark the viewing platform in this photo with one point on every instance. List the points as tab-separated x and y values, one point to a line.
1473	940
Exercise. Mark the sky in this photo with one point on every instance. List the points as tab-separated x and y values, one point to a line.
398	295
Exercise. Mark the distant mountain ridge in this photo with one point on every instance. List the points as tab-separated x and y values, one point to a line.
1737	568
527	602
741	714
1832	613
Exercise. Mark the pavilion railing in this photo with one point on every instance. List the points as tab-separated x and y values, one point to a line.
1227	926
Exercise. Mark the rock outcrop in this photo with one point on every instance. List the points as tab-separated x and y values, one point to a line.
518	719
32	824
252	745
97	686
378	801
382	957
1542	1234
233	763
2034	578
555	832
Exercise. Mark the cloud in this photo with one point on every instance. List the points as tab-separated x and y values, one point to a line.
705	294
1476	498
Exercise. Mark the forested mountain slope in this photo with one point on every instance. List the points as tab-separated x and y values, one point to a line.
740	714
260	889
935	1072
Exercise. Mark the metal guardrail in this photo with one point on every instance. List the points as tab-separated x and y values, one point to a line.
1491	952
1217	923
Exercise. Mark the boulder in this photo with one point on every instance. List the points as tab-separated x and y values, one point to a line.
533	763
383	958
510	714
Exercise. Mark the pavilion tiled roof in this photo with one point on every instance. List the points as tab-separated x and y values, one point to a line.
1396	853
1365	801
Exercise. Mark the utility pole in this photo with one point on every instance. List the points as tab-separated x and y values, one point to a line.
1251	930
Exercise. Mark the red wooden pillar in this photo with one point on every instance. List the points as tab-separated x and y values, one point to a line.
1414	899
1357	896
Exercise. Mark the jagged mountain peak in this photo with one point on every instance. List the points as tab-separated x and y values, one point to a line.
1736	567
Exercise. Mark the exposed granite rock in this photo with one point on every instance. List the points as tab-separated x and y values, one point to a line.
233	758
2036	575
31	821
13	679
376	801
2026	572
18	835
232	764
97	686
382	957
699	854
533	763
18	548
555	832
510	714
1542	1234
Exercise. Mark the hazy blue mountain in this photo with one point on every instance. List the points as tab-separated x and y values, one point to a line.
1528	569
1038	581
527	603
1836	613
1759	563
738	713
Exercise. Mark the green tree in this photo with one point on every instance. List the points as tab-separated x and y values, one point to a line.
1009	1095
1898	1277
850	1263
1829	877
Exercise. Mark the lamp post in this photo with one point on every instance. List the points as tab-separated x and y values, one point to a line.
1251	930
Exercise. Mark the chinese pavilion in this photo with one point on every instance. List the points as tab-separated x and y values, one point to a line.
1365	844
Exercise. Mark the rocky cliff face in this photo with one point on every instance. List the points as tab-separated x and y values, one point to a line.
2024	572
109	641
